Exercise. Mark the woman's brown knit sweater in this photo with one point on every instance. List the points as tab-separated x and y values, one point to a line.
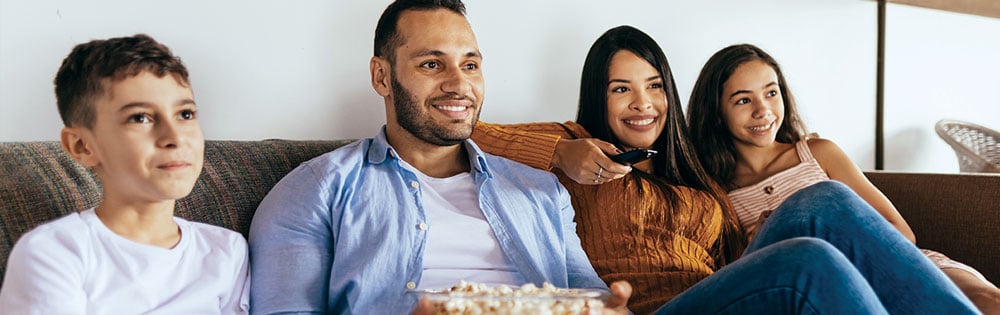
623	223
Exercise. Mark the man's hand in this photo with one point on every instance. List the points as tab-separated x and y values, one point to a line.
586	161
621	291
424	307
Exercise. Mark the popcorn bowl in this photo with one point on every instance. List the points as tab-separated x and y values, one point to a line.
471	298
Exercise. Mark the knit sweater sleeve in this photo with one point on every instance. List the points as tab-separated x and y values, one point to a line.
533	144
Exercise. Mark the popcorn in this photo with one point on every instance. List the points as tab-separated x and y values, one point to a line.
469	298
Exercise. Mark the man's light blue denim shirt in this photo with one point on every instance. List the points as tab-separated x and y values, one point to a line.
345	231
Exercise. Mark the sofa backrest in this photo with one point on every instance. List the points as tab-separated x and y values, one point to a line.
40	182
955	214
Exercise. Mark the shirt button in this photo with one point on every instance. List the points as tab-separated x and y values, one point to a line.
414	184
422	226
410	285
768	190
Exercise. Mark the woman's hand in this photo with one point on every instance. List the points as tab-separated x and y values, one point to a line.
586	161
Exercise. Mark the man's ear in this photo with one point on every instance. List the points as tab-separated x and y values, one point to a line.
379	68
77	144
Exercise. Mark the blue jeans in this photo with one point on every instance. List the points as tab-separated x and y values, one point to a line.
825	251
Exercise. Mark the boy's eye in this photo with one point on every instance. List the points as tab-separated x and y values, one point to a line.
140	118
471	66
188	115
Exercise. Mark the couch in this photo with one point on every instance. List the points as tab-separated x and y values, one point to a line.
957	214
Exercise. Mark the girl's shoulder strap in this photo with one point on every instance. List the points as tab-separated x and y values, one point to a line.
802	148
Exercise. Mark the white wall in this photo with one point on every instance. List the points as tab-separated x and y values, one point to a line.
298	69
939	65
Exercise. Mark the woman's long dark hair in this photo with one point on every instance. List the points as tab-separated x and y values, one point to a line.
677	162
708	124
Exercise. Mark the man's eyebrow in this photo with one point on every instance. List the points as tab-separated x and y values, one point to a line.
427	52
438	53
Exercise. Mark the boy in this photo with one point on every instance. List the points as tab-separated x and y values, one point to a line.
130	116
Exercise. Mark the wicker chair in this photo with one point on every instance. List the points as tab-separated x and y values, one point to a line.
977	147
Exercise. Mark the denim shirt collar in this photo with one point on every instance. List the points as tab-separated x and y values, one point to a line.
380	150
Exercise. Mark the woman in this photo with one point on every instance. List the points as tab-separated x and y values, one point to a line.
672	177
664	226
752	140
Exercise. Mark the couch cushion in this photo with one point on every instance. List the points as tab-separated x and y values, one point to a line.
955	214
238	174
40	182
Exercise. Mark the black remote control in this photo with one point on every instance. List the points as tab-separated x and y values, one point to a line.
634	156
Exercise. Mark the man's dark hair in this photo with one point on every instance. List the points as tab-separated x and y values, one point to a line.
387	39
80	80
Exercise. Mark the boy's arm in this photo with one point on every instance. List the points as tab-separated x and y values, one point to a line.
44	276
552	145
290	246
839	167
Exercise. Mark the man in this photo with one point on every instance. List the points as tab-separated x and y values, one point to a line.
419	206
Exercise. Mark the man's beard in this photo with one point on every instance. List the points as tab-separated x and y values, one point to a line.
421	125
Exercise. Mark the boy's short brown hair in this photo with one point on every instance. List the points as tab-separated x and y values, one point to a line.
81	78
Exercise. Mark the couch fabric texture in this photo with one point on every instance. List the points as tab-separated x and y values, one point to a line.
956	214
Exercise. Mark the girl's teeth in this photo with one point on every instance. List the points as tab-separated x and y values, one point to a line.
761	128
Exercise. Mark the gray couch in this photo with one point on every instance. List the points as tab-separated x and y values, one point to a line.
957	214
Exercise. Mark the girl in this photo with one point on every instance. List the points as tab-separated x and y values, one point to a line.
752	140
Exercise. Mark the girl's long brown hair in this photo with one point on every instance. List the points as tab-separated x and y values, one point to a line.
708	127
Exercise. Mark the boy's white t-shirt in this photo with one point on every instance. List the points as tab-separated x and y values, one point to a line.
76	265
